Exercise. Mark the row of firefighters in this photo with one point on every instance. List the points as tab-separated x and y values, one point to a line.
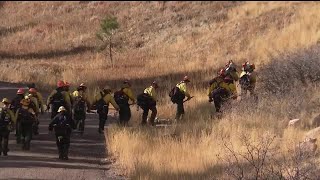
68	110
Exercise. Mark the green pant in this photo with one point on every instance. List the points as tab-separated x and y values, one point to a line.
26	135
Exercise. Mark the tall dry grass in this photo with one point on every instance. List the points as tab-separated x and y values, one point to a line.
152	42
196	147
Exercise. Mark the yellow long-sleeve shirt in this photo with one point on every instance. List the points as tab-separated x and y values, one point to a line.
129	93
215	84
108	98
183	88
66	98
151	92
230	87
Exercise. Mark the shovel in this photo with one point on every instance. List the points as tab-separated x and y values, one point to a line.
188	99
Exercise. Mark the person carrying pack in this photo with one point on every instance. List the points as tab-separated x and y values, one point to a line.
248	79
14	106
148	101
26	118
122	98
34	104
223	92
179	95
102	100
57	98
80	106
7	121
62	124
35	93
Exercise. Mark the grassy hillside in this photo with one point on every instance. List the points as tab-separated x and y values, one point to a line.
47	41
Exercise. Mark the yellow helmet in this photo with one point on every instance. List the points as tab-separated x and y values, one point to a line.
6	100
61	108
25	102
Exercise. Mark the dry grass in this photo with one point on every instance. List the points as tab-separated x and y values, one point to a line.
152	42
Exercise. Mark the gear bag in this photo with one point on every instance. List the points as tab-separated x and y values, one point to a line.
120	97
144	100
16	103
176	95
25	116
101	105
62	127
57	99
79	104
245	81
5	120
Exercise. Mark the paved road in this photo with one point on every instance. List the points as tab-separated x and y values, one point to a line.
42	162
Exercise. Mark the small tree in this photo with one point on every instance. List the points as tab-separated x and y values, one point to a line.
108	27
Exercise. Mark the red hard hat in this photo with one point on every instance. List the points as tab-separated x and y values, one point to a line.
20	91
60	83
32	90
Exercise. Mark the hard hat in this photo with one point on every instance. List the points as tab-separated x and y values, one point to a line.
186	79
75	93
61	108
32	90
27	97
155	84
60	84
82	85
25	102
20	91
126	84
6	100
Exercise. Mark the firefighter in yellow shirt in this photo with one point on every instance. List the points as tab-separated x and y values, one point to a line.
183	89
151	104
102	101
58	98
248	79
39	97
223	92
7	123
122	98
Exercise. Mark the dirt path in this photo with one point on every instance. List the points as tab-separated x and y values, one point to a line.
42	162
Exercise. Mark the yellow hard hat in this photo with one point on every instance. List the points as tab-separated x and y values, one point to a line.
5	100
75	93
61	108
25	102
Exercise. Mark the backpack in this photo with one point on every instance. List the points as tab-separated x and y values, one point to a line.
15	105
62	126
4	119
79	104
57	99
245	81
101	104
120	97
25	116
144	100
176	95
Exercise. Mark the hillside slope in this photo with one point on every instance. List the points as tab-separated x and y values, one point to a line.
47	41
